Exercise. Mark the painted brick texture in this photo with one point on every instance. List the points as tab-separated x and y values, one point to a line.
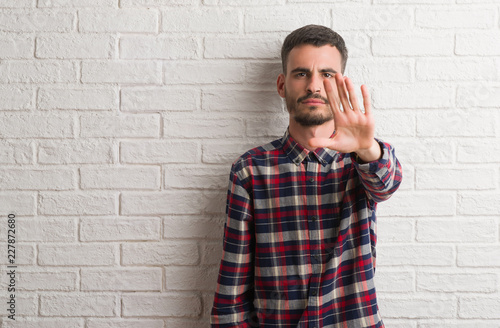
119	120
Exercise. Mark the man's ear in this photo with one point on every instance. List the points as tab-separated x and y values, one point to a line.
280	84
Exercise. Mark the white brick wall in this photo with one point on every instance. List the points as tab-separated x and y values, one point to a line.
119	120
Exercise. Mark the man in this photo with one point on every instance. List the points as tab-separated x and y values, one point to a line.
300	235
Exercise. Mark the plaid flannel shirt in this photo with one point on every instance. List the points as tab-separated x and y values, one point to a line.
299	240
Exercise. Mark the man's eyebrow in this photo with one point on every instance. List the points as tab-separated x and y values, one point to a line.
307	70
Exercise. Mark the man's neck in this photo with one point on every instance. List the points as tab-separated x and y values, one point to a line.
302	134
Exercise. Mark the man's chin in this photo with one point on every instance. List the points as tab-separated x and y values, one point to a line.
311	120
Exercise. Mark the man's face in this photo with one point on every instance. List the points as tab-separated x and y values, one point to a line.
302	86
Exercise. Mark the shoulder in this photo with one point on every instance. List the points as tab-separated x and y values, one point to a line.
257	155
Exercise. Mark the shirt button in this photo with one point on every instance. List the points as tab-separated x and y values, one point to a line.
314	293
314	218
311	180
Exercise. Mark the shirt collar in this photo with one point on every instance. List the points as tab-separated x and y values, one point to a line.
298	154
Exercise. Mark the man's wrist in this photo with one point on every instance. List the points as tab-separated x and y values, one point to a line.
373	153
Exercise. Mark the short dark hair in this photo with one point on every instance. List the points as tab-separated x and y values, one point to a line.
315	35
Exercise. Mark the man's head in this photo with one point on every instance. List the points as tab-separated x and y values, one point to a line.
317	36
310	55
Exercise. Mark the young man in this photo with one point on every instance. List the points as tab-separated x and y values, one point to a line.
300	235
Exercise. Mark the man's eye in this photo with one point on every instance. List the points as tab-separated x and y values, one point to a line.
300	74
328	75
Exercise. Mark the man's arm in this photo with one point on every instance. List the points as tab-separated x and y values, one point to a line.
382	177
233	301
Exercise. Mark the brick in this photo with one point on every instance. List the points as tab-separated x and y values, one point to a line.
369	71
159	47
418	307
485	44
226	152
388	281
124	323
416	95
16	46
482	150
479	203
206	20
78	305
160	99
478	256
25	253
36	126
196	72
17	3
120	177
163	305
184	322
435	178
358	43
423	150
38	72
238	47
77	254
456	282
385	123
270	126
18	202
28	322
120	126
440	18
164	253
40	20
404	44
80	3
283	19
26	179
51	280
196	177
97	98
157	152
199	227
118	20
211	254
75	46
86	151
16	152
119	229
373	18
481	95
238	3
25	304
457	230
188	278
143	279
263	72
45	229
157	3
16	98
170	202
140	72
457	323
405	2
456	123
202	125
77	203
422	204
465	69
241	100
417	255
479	307
394	230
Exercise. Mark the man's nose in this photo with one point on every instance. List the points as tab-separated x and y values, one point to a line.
315	84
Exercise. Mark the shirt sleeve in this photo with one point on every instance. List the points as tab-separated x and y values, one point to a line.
233	300
381	178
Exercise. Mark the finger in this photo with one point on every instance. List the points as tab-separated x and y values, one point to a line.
332	99
366	99
342	92
321	142
352	94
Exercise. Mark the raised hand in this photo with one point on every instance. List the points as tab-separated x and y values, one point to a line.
354	130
